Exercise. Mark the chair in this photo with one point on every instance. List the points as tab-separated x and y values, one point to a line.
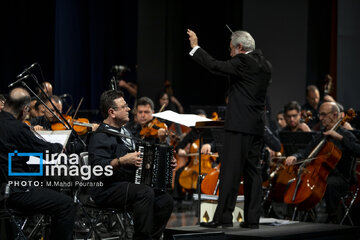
20	220
347	202
102	219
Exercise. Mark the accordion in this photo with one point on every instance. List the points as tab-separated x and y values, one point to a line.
156	170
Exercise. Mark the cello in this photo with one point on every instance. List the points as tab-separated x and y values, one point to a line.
309	186
189	177
280	174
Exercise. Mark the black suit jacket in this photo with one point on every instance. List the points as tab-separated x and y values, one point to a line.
250	75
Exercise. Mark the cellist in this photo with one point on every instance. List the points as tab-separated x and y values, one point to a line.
341	177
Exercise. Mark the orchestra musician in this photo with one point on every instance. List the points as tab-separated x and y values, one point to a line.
2	101
44	122
280	118
292	114
341	177
250	75
143	110
151	208
48	120
16	135
312	104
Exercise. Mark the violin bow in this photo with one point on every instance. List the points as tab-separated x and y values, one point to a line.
77	108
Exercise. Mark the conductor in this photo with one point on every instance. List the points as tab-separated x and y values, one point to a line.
250	76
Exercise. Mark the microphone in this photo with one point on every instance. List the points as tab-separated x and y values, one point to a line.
120	68
64	95
19	80
26	70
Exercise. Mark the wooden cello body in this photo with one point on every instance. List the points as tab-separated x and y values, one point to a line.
210	184
313	180
189	176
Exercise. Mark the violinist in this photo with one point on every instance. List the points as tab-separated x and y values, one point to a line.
48	89
292	113
44	122
343	175
36	108
47	120
143	110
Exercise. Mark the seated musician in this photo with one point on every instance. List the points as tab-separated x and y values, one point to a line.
44	122
16	135
182	149
151	208
312	104
292	113
280	119
343	175
143	110
2	101
36	108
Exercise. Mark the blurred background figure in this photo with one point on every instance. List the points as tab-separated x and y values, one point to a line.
2	101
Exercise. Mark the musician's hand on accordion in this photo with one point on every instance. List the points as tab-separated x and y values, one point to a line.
133	158
174	161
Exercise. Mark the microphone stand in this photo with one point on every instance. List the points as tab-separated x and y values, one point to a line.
63	121
42	102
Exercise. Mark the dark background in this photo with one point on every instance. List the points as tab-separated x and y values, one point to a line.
77	42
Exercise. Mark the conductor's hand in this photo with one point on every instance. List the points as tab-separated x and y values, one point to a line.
290	160
193	38
132	159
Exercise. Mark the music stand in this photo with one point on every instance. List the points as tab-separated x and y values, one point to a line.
295	142
199	126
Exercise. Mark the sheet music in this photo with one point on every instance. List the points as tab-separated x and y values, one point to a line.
61	137
188	120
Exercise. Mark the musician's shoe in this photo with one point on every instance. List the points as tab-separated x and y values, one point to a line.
215	224
249	225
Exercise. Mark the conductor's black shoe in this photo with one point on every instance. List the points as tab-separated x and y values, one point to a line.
249	225
215	224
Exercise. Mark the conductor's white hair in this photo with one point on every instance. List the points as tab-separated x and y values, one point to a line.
244	38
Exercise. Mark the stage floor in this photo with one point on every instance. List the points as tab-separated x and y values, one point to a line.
300	230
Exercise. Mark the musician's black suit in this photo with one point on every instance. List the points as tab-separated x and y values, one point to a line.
151	209
250	75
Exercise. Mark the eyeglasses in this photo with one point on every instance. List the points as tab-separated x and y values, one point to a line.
122	107
322	114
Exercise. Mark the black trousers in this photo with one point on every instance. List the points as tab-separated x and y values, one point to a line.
336	187
60	207
241	158
151	209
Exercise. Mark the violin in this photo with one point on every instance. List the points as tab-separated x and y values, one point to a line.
152	128
81	125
